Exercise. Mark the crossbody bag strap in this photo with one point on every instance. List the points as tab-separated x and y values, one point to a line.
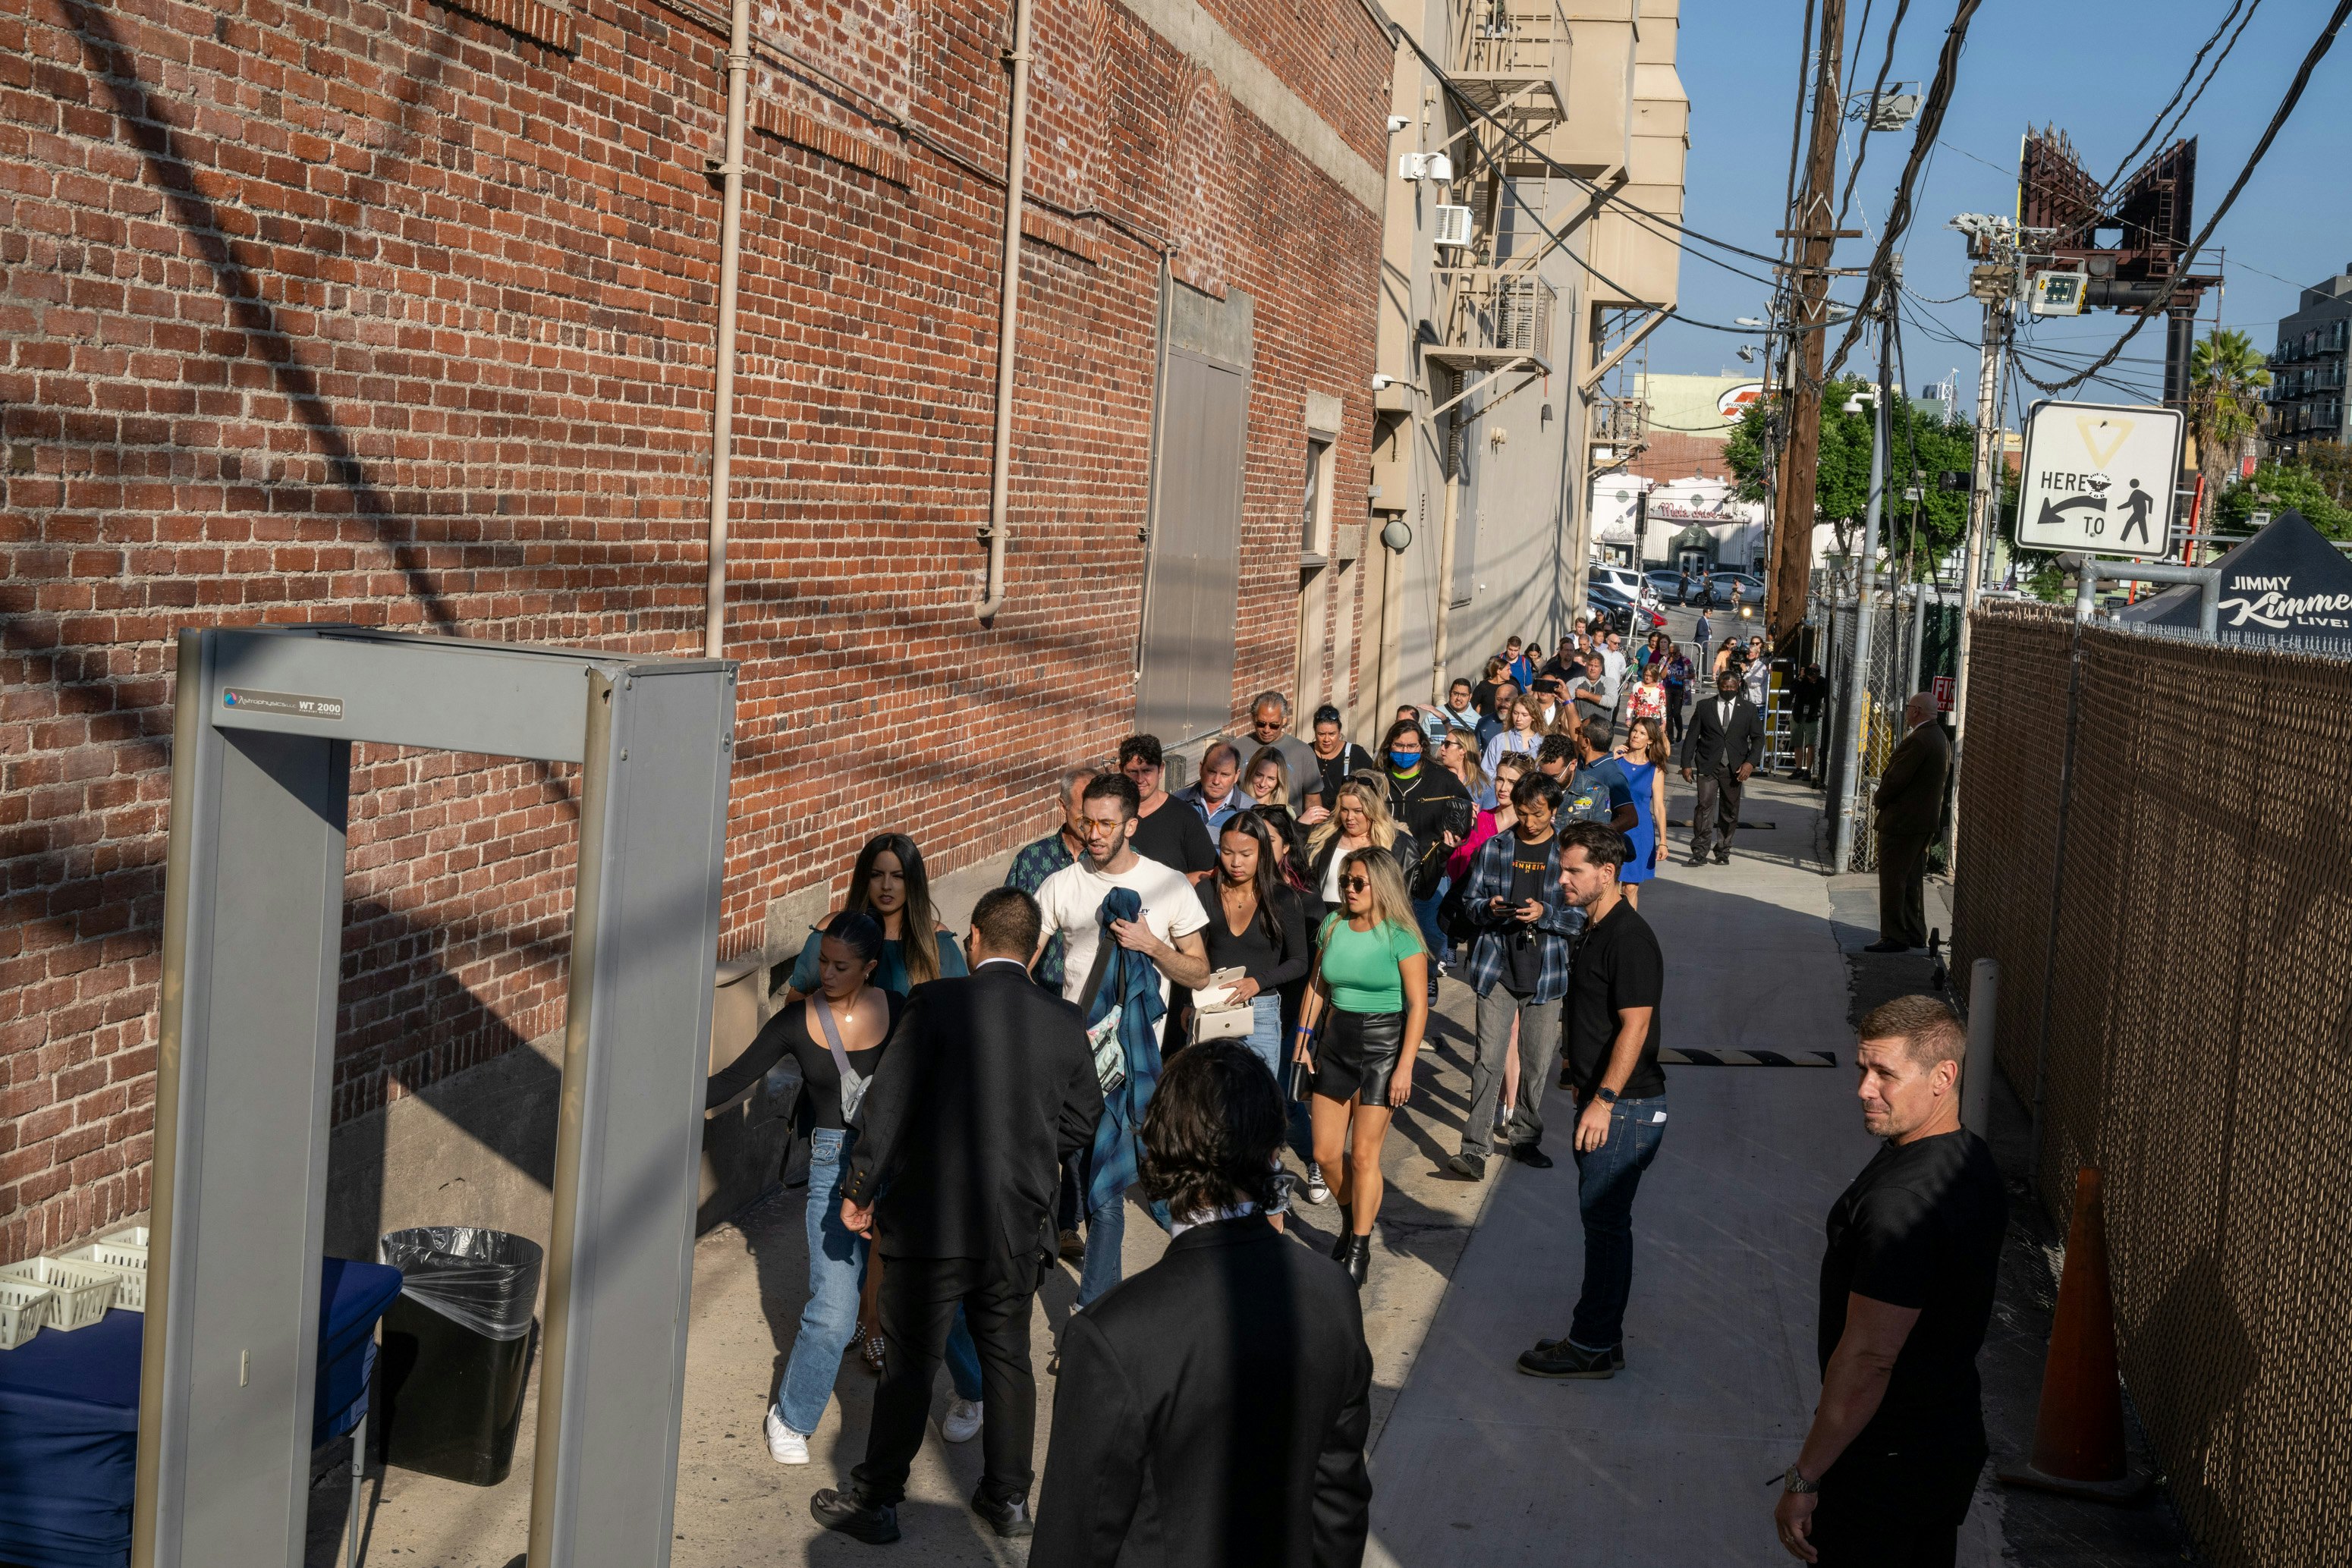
832	1036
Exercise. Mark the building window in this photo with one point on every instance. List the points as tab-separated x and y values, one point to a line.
1315	509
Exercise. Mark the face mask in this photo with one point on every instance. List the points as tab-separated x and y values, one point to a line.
1404	761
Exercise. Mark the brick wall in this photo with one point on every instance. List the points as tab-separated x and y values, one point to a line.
403	315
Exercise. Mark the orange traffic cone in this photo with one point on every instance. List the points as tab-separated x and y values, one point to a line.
2078	1435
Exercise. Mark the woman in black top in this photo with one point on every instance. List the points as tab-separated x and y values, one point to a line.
1336	758
1257	924
862	1015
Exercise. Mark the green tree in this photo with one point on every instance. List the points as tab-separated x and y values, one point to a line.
2275	487
2226	375
1923	447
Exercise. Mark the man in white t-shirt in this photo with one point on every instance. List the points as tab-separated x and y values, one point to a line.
1168	932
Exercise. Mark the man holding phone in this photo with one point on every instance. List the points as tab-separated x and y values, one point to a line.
1519	967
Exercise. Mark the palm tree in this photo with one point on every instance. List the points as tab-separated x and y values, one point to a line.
2226	375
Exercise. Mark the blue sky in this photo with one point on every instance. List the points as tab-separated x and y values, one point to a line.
2098	72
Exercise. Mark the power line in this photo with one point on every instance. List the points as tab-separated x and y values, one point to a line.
1466	102
1898	213
2325	41
1861	148
2153	131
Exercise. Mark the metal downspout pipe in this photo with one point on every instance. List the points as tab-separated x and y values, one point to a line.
1008	320
731	251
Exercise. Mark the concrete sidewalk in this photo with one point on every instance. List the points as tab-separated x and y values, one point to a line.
737	1507
1666	1463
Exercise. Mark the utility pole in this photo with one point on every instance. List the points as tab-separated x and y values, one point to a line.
1992	242
1792	529
1858	702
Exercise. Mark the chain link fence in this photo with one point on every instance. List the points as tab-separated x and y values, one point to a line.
2154	845
1914	639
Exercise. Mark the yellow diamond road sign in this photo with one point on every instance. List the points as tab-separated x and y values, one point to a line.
2099	478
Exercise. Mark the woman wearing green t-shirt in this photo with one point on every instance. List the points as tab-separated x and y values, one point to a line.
1358	1030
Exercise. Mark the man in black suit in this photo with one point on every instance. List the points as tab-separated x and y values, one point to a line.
1722	746
1212	1409
1908	808
987	1087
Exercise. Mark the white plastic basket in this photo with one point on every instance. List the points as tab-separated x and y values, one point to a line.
24	1309
128	1236
79	1294
127	1264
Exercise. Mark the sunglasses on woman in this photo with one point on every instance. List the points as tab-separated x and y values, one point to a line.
1355	884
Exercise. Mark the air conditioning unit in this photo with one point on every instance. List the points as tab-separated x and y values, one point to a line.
1453	226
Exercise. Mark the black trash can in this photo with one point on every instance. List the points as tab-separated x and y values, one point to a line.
457	1350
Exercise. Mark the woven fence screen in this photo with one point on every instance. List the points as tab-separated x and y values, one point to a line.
2175	936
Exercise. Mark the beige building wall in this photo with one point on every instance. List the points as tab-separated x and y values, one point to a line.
1521	450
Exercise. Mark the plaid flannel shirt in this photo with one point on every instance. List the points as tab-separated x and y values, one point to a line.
1555	931
1031	867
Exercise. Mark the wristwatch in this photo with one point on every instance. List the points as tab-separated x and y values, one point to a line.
1793	1480
1606	1096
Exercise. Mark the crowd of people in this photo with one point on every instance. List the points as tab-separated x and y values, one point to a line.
1174	988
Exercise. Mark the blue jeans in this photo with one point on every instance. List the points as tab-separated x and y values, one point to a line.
837	1269
1424	910
1265	1032
1106	1233
1606	1180
829	1317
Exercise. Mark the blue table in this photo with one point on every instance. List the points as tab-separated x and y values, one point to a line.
69	1419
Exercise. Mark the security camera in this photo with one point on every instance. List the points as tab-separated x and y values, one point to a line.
1747	355
1398	122
1382	382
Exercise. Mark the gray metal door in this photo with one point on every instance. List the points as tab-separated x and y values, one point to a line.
1185	687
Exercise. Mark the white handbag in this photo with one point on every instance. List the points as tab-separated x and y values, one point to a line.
1216	1015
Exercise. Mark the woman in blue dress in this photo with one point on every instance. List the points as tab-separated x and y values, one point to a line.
1645	761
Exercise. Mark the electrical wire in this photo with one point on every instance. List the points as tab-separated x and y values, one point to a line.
2154	132
1537	154
1861	147
1898	213
2318	51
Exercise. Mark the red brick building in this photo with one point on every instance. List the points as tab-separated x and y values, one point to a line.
402	314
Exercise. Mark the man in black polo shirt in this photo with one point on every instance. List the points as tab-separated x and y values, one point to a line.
1614	989
1892	1458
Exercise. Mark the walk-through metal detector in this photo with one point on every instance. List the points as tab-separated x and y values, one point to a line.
263	723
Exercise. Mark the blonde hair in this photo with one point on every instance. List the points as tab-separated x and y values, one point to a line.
1269	754
1379	824
1386	895
1535	712
1472	772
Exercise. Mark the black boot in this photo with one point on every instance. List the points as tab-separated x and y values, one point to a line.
1354	1253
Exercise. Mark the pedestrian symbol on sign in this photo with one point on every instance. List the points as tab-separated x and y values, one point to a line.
2135	507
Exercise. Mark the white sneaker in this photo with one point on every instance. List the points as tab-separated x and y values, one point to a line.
785	1446
961	1423
1318	1191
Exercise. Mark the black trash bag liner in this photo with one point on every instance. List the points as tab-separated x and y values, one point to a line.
487	1280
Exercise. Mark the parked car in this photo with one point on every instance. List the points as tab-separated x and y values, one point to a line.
1623	578
1623	613
1718	589
1667	583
